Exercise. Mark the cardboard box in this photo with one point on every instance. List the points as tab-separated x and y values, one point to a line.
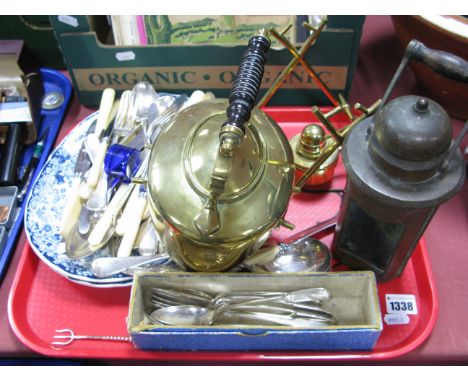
94	66
37	35
354	303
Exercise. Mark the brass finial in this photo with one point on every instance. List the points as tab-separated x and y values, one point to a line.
312	142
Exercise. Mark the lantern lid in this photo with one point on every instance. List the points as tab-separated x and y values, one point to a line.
397	155
413	128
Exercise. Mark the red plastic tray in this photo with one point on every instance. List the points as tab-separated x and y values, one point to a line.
42	301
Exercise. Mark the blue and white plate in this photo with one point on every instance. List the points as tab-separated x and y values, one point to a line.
113	284
43	213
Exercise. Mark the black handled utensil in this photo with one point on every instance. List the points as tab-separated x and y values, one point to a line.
443	63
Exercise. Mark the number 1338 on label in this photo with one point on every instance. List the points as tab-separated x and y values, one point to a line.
401	303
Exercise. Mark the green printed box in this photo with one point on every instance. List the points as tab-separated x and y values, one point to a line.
94	66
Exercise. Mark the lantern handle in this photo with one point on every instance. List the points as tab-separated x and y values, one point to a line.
443	63
454	148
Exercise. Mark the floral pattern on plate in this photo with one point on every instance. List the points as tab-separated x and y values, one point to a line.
44	207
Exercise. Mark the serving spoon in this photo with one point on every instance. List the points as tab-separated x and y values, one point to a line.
299	253
309	255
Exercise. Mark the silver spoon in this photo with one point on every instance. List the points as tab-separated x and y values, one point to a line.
308	255
143	104
182	315
299	253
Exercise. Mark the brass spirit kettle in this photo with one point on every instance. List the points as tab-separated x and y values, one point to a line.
220	176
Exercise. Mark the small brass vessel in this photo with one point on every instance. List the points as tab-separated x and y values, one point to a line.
307	147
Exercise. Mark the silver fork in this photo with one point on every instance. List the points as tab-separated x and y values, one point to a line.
67	336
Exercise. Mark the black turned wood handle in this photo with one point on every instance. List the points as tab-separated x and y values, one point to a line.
247	83
444	63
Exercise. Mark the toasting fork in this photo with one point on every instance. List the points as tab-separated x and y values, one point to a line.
67	336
